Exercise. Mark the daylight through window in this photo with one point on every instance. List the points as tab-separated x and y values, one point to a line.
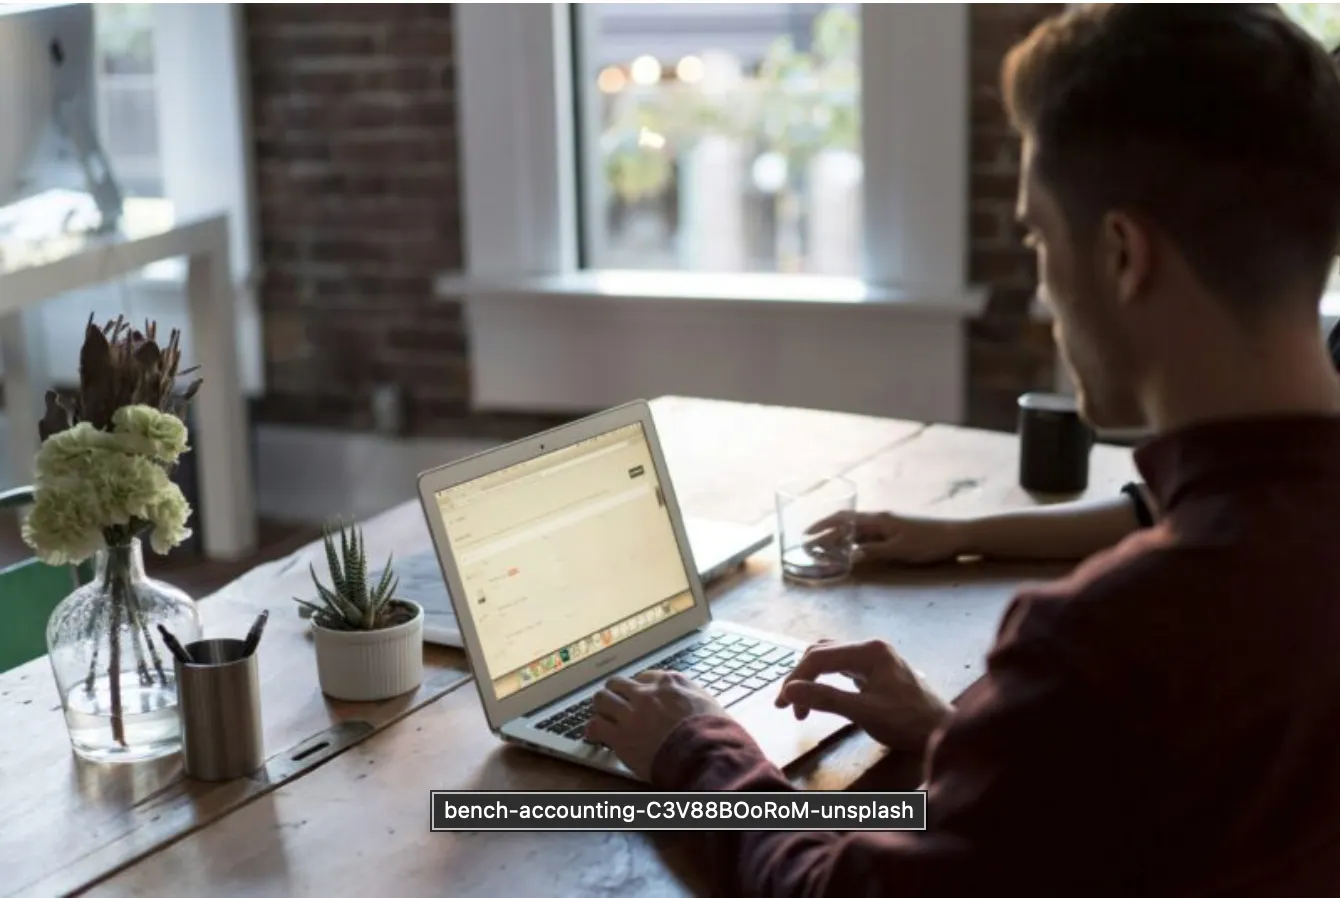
720	136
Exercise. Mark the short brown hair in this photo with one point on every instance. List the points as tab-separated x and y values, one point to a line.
1218	122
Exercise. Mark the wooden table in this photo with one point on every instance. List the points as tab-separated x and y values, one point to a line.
354	815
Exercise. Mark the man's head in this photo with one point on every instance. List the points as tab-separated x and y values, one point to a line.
1181	177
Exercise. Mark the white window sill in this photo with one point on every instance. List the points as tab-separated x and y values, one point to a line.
758	290
589	340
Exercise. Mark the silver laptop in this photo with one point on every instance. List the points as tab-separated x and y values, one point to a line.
720	548
567	562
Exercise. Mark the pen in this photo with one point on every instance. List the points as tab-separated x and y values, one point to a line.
254	634
174	646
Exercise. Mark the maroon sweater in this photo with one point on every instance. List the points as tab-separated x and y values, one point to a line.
1165	721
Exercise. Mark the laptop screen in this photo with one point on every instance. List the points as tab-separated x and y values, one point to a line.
564	555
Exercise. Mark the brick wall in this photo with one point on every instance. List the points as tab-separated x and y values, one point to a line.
1008	353
356	154
357	177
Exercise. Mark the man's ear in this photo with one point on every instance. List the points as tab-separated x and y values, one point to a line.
1127	254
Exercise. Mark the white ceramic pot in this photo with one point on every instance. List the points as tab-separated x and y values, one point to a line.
370	665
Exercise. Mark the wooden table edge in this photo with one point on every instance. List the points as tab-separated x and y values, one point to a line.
261	790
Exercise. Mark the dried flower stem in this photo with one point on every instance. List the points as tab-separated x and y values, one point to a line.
94	621
114	663
122	598
140	631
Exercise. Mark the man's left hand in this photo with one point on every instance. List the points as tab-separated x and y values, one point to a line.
634	717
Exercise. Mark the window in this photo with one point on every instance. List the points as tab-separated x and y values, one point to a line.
720	136
553	321
716	137
127	103
1322	21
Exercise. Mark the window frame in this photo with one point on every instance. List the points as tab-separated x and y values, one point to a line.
548	336
518	121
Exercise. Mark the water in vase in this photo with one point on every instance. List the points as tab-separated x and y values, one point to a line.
150	727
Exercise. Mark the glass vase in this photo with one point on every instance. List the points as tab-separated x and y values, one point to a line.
116	677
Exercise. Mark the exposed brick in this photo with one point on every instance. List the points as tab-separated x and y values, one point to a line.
988	227
285	336
1008	353
1006	267
424	40
422	146
356	164
994	152
281	49
994	186
420	339
357	175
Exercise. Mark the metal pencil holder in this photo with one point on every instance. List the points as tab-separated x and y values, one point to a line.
219	704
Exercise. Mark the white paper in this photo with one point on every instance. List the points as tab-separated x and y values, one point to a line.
421	581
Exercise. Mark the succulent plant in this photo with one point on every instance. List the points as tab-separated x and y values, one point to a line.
351	601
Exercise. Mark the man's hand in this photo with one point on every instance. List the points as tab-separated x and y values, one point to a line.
634	717
883	537
893	704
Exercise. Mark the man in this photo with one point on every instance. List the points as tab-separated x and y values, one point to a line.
1166	719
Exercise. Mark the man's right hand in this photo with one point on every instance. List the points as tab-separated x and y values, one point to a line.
892	704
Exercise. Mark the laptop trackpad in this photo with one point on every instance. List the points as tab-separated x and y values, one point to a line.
784	739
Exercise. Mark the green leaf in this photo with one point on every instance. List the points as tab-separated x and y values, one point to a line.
352	598
333	622
338	604
344	547
385	581
379	602
336	573
360	562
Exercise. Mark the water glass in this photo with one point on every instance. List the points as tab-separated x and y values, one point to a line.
815	529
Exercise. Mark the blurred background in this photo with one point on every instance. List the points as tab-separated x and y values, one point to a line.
350	145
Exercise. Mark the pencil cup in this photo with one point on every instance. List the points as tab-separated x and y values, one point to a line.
219	702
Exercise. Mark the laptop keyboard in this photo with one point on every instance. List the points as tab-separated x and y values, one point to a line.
729	666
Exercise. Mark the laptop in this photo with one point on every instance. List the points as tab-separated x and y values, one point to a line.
720	548
567	562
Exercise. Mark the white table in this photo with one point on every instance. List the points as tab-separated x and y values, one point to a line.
31	274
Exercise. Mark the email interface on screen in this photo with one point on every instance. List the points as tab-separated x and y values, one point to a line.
565	555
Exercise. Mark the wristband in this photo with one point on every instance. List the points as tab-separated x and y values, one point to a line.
1142	512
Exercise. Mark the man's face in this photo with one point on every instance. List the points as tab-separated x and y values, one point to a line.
1079	281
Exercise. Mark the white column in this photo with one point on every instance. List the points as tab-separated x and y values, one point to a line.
22	351
220	438
711	206
712	189
204	125
833	226
914	134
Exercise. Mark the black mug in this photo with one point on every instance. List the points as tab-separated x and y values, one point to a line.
1054	444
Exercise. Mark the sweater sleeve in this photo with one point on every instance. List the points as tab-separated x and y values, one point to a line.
999	784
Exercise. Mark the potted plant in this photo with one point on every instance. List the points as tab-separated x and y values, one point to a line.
102	491
369	642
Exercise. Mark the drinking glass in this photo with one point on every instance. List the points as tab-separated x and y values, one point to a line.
815	529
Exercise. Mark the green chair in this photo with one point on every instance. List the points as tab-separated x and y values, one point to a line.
29	590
